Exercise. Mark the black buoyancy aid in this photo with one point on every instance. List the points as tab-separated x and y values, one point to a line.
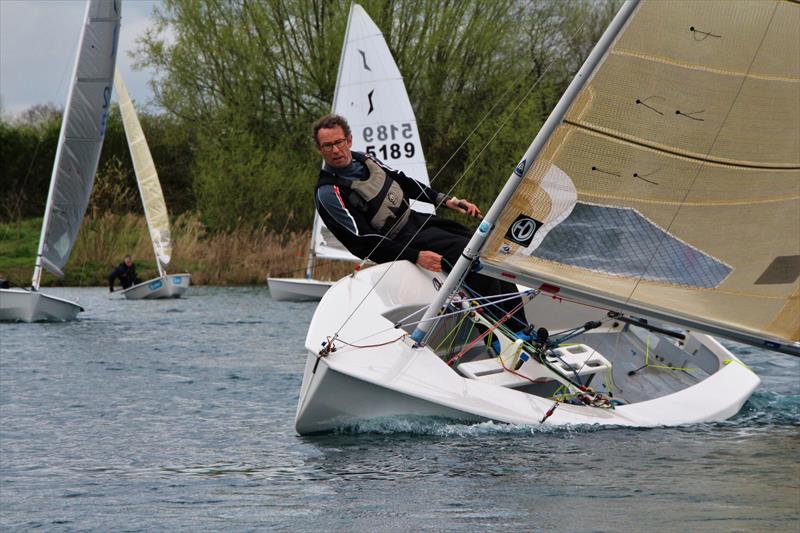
379	197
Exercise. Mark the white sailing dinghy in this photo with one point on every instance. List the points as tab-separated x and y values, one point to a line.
77	155
371	94
155	209
665	186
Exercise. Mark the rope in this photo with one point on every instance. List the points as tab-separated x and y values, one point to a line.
329	346
485	333
648	365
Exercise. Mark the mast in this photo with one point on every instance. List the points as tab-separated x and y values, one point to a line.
37	269
311	255
478	239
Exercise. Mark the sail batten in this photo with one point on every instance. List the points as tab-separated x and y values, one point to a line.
672	186
673	151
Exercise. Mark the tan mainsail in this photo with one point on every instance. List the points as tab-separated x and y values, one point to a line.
673	184
155	209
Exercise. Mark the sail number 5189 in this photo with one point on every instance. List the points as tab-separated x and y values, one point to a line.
385	133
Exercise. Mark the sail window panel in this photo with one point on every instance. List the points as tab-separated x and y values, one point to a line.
622	242
784	269
770	317
97	60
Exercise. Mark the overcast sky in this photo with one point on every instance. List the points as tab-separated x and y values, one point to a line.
38	44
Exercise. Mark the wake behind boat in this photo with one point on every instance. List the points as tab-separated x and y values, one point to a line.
155	209
77	155
628	207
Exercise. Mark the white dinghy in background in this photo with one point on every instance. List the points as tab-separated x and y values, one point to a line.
155	209
371	94
77	155
626	220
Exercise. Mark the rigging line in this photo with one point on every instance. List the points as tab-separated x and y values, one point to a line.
486	145
469	309
509	296
703	163
491	139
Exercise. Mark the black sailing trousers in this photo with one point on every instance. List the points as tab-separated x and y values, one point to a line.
448	239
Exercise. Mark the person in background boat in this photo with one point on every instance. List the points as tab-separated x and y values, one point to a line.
365	204
126	273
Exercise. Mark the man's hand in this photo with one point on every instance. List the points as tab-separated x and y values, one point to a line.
430	261
466	207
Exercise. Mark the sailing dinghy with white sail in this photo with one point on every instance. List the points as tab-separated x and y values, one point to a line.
661	198
77	155
155	209
371	94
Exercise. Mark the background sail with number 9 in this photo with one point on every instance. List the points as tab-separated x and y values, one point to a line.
672	186
371	95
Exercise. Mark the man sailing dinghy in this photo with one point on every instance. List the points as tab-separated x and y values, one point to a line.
371	93
155	209
664	140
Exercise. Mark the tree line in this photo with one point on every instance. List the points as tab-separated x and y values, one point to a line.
241	81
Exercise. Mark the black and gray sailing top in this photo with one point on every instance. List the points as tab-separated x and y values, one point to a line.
350	223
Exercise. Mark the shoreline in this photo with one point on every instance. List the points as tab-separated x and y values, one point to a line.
242	257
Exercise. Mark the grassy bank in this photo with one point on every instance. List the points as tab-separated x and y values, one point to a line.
241	257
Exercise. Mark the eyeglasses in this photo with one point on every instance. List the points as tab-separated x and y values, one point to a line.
328	147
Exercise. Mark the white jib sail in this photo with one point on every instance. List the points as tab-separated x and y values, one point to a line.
81	139
155	209
371	95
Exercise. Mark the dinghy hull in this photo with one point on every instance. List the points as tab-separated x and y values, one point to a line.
387	376
169	286
21	305
297	289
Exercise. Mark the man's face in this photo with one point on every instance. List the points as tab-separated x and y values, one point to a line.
335	146
128	261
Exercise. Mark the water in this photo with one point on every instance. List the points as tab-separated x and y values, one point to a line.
178	415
